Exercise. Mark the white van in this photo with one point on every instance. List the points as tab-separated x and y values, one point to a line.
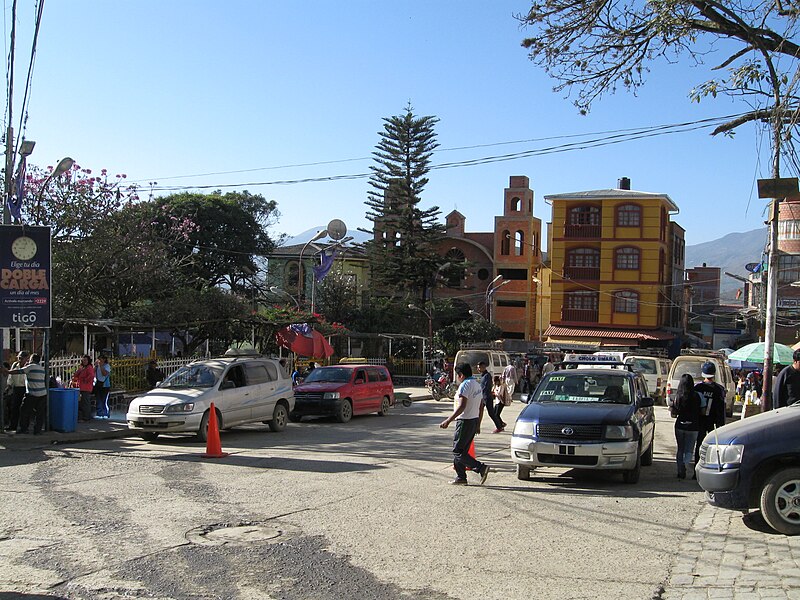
656	372
692	362
496	360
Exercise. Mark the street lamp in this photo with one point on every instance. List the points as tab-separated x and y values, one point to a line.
276	290
64	165
490	290
300	271
430	325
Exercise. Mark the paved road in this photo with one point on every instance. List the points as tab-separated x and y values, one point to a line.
363	509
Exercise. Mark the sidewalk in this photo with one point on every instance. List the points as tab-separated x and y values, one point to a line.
116	427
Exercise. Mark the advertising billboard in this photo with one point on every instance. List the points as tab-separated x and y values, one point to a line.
25	276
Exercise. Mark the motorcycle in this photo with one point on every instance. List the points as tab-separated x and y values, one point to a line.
439	385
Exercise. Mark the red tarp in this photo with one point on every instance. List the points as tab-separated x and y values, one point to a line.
311	344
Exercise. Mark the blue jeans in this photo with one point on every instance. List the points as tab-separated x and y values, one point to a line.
686	440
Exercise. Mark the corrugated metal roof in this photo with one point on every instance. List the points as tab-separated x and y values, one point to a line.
612	194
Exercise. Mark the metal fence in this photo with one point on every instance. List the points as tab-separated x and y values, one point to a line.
127	372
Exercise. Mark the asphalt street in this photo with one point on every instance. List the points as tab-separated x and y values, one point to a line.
362	510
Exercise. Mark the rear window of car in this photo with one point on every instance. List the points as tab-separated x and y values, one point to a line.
647	366
374	375
256	373
692	367
473	357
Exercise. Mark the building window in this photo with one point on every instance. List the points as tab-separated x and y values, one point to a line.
519	243
789	229
583	300
788	268
514	274
483	274
455	273
629	215
515	204
505	243
291	277
584	215
583	257
627	258
512	303
626	302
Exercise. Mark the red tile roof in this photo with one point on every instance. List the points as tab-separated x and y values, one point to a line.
624	334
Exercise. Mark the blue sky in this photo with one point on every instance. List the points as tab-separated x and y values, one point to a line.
161	90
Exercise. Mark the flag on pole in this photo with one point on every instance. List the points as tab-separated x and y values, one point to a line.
15	201
325	264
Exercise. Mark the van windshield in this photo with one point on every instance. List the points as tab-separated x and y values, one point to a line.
646	366
584	387
201	376
692	367
473	357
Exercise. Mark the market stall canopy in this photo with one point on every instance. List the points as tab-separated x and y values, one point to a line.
304	341
754	353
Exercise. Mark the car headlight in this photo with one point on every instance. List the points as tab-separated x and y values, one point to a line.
724	454
179	408
330	396
618	432
524	428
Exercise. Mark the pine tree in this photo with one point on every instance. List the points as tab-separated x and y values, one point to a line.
402	254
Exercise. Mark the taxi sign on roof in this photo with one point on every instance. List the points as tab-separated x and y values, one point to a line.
592	359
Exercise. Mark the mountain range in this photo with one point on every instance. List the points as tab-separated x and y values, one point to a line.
730	253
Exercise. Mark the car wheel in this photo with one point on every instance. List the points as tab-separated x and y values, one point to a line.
523	473
345	411
279	418
150	436
632	475
295	418
647	457
780	501
202	432
384	406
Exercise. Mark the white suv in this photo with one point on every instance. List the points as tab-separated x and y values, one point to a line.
244	389
692	362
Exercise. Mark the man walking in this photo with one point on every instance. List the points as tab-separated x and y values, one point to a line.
35	400
488	397
466	414
712	405
786	389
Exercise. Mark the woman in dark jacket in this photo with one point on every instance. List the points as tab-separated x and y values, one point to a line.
686	407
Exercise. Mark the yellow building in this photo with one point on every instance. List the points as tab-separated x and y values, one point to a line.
610	252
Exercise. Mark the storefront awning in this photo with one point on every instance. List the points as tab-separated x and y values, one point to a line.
606	337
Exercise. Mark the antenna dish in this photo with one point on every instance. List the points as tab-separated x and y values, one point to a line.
337	229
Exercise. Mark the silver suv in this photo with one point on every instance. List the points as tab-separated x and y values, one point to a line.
244	389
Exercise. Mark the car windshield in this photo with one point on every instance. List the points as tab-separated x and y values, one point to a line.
202	376
331	374
645	366
601	388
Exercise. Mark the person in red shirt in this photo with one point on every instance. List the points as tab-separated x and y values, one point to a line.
83	379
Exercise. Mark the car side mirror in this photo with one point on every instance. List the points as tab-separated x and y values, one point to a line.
227	385
645	401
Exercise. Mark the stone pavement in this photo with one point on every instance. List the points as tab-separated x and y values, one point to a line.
728	555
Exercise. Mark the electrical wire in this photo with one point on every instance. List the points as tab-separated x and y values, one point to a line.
23	117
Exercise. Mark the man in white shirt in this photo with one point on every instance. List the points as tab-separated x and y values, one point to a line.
466	414
34	403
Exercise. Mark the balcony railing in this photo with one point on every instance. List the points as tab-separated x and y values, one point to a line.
582	231
580	315
582	273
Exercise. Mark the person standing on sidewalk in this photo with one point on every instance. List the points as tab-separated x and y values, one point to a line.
502	397
786	389
35	400
712	405
17	383
83	379
102	386
686	409
510	378
466	414
488	398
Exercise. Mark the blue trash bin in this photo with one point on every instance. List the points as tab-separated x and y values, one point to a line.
64	409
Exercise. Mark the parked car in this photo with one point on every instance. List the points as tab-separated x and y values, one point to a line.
656	373
692	362
755	463
496	360
343	391
244	389
586	417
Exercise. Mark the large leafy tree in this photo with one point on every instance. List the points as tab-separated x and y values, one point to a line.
231	232
403	256
593	47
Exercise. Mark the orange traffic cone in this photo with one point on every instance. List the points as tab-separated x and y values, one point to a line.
471	450
213	444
